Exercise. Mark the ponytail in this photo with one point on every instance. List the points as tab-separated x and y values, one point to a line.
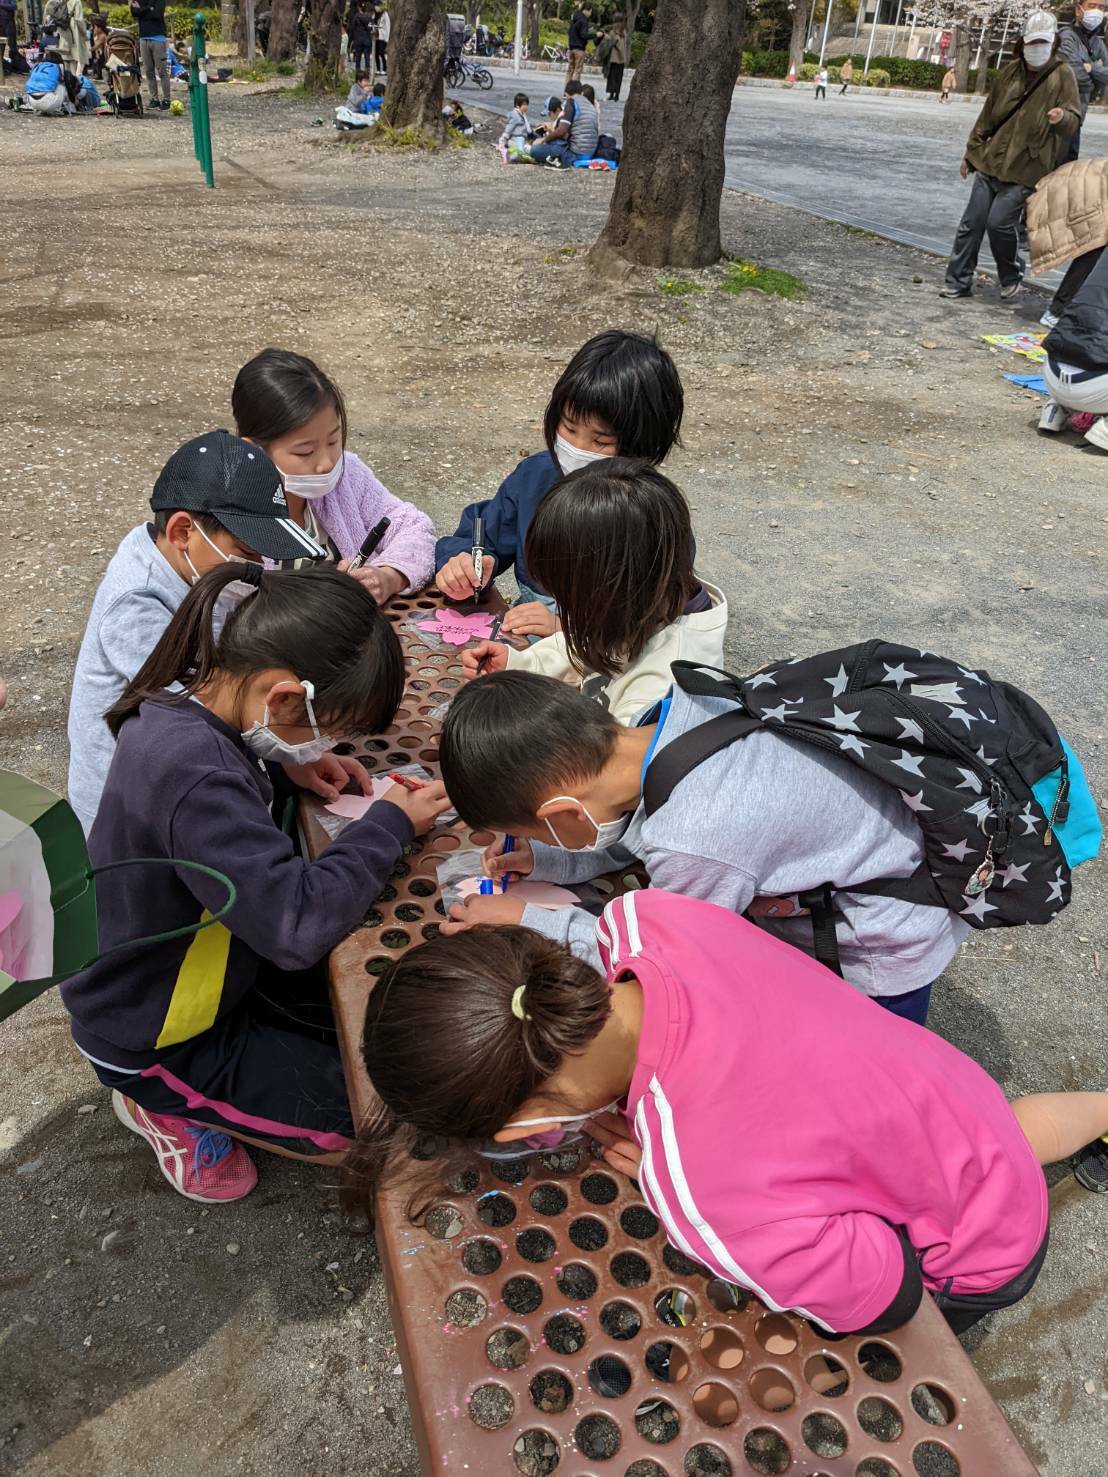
316	622
459	1033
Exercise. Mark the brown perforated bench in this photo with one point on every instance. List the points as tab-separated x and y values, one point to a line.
544	1323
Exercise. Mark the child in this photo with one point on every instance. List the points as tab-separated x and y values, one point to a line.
822	78
372	104
285	403
226	1028
620	395
950	82
738	1064
767	818
613	544
215	499
359	92
517	130
456	118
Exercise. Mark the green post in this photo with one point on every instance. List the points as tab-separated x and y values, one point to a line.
198	98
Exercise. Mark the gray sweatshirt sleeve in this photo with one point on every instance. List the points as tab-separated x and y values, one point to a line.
553	864
570	926
703	877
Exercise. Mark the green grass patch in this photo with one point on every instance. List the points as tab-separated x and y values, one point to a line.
742	276
408	138
679	286
859	231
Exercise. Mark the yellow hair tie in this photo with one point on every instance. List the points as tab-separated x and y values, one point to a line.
517	1004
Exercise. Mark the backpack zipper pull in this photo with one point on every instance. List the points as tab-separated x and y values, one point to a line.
1060	809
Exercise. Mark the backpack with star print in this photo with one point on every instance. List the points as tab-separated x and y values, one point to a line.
998	795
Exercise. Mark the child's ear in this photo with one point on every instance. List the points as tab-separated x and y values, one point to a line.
285	701
178	528
563	805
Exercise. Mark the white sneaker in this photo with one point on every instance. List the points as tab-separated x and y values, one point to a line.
1053	417
1097	434
1049	319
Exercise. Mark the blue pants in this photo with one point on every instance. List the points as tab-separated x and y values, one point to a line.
559	149
911	1006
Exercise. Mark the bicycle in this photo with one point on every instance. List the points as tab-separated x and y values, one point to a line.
555	54
455	74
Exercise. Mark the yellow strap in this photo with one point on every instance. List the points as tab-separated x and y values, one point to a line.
199	988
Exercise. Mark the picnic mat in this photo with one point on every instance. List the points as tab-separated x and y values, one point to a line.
1029	382
1030	345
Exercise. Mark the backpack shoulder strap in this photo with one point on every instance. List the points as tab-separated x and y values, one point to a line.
666	771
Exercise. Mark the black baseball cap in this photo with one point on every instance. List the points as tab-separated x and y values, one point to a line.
235	483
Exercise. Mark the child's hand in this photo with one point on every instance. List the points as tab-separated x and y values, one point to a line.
532	618
485	657
381	581
329	776
517	862
497	909
621	1151
423	806
457	579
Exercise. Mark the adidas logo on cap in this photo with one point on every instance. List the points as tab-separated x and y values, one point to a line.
279	498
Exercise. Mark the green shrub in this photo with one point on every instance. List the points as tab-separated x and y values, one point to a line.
639	41
808	71
769	63
878	77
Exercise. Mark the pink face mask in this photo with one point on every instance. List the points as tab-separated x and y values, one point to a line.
563	1132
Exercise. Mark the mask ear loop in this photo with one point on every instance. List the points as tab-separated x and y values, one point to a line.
309	694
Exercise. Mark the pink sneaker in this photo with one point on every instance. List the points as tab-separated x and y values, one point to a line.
198	1161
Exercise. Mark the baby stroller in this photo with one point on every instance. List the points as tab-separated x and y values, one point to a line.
124	92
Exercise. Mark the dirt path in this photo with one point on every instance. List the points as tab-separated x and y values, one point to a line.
858	466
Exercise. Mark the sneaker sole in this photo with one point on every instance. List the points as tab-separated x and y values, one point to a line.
120	1110
1093	1185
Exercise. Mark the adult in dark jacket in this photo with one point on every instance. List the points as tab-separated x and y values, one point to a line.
580	34
1031	109
150	15
1076	368
7	33
359	29
1082	45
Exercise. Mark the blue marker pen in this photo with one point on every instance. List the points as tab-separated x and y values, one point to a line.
509	845
485	890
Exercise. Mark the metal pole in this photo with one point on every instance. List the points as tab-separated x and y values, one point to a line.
872	37
198	88
372	53
517	48
1004	37
911	34
248	11
980	44
896	28
826	28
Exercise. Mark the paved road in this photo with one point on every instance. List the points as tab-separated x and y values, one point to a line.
886	164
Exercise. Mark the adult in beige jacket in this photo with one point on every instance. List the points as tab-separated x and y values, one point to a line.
1067	221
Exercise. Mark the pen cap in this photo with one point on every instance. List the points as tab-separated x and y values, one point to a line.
478	533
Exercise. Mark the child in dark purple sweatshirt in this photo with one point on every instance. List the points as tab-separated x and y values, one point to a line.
228	1026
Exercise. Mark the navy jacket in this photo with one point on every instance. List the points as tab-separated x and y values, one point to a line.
580	31
150	15
1081	335
183	785
507	517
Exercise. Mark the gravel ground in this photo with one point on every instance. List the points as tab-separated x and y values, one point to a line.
858	466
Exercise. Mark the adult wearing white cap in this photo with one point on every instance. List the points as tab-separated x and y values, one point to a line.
1030	112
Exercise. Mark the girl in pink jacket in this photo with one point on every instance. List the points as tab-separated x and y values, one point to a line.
287	405
794	1138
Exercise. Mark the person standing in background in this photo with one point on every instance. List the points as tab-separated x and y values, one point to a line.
7	33
580	34
821	84
150	15
846	76
384	31
950	82
1082	45
359	29
613	54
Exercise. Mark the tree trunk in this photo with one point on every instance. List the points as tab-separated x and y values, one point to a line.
531	25
802	10
961	58
324	72
282	30
982	81
665	206
417	50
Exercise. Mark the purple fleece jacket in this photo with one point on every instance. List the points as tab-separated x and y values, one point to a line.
357	503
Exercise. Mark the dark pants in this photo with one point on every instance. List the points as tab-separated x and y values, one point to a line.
911	1006
997	208
559	149
7	32
359	56
1076	273
382	56
842	89
821	92
963	1309
615	80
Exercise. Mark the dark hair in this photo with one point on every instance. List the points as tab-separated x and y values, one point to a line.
361	76
318	622
520	97
202	520
471	1063
509	738
378	91
279	391
589	91
613	544
628	382
573	88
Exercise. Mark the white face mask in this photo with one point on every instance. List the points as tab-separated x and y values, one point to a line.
260	739
1092	19
553	1133
571	458
1037	53
607	832
231	594
309	488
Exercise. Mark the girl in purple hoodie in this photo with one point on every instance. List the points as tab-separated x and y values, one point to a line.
286	404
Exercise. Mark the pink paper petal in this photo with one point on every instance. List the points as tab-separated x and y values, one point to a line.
11	905
458	630
353	807
542	894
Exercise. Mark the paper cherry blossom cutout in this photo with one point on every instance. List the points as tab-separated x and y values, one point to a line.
459	630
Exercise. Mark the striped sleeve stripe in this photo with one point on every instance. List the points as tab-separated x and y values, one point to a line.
676	1171
655	1194
293	529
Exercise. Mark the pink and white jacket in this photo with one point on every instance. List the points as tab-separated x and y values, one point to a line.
358	502
788	1124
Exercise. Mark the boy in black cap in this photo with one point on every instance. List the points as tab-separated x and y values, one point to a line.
217	498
